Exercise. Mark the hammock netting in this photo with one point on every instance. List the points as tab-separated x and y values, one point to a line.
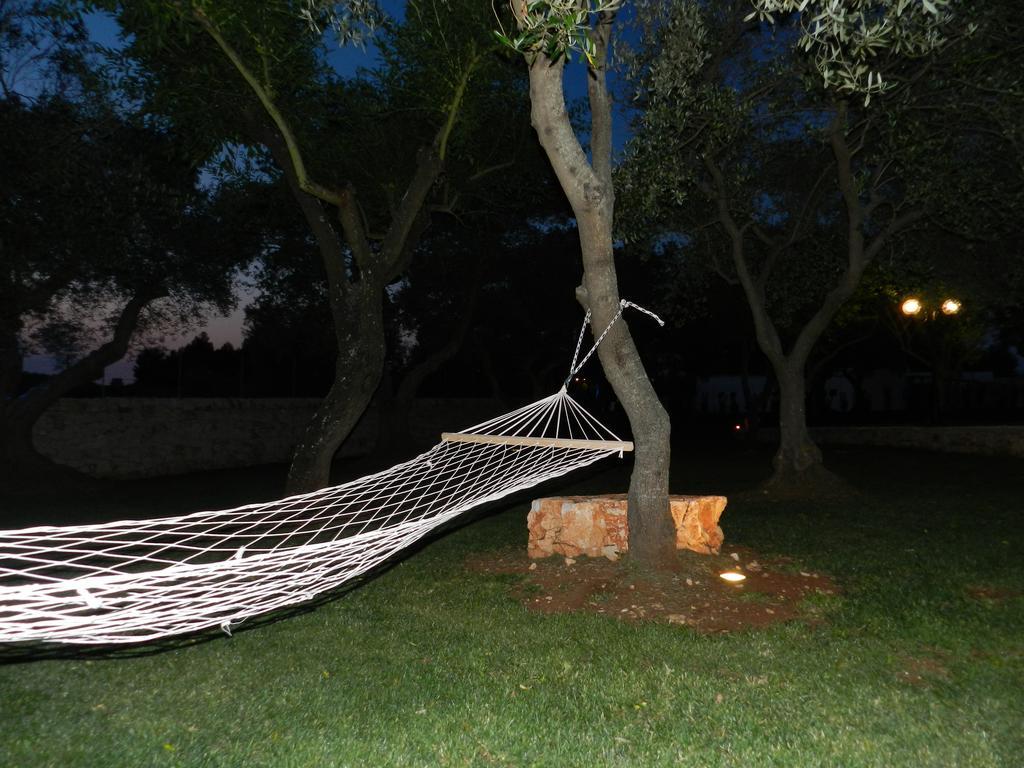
138	580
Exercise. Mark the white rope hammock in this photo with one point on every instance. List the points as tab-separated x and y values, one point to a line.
137	580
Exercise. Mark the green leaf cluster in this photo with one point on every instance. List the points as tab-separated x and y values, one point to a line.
555	28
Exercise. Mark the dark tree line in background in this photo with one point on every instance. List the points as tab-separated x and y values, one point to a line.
104	231
469	320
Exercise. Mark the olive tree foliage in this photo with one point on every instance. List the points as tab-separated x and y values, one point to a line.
949	74
556	28
352	21
853	44
39	45
549	34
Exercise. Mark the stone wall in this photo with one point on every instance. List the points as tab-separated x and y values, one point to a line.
596	526
985	440
146	437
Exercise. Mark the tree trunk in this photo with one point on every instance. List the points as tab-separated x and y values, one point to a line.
798	459
797	453
357	374
588	187
649	518
355	292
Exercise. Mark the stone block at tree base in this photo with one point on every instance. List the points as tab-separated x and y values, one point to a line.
596	525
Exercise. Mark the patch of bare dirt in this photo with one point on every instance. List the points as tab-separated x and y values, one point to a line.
924	670
992	595
692	593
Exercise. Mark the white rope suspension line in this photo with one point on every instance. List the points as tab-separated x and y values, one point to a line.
556	414
592	422
498	423
575	419
623	304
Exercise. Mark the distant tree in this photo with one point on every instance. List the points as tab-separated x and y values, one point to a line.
800	159
104	232
197	369
40	48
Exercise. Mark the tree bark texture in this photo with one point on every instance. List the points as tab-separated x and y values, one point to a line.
588	187
357	373
797	453
357	310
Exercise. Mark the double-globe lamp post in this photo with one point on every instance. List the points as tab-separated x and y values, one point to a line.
937	340
913	307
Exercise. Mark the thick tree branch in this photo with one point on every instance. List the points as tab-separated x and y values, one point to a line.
754	291
844	165
328	242
600	101
266	99
550	119
456	104
92	366
408	221
395	245
894	227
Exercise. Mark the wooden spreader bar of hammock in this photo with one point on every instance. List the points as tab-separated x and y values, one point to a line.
541	442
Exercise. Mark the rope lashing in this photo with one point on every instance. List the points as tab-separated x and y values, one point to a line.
576	368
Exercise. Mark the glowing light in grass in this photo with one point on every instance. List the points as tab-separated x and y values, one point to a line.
733	576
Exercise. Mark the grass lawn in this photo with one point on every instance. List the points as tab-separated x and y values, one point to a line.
920	661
